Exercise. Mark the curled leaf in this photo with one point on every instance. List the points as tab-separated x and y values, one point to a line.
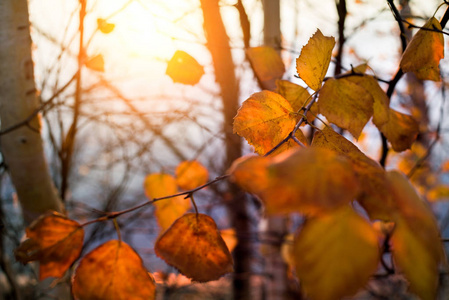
112	271
183	68
195	247
53	240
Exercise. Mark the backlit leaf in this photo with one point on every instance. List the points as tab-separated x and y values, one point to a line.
267	65
183	68
335	254
104	26
96	63
300	180
313	62
297	96
375	197
191	174
158	185
416	244
229	237
53	240
112	271
424	52
401	130
264	120
346	104
195	247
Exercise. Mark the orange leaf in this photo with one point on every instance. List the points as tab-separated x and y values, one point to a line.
104	26
346	104
375	198
313	62
194	246
297	96
416	244
437	193
264	120
445	167
401	130
158	185
191	174
335	254
96	63
112	271
169	210
300	180
183	68
424	52
267	65
250	173
53	240
229	237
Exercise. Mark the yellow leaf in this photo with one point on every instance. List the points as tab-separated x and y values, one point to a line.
335	254
375	197
267	65
297	96
183	68
437	193
104	26
169	210
416	244
264	120
313	62
158	185
346	104
300	180
401	130
96	63
229	236
191	174
424	52
112	271
53	240
194	246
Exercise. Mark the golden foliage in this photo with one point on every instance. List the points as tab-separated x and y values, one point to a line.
183	68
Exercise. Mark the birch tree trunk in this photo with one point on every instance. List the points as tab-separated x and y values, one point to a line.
22	148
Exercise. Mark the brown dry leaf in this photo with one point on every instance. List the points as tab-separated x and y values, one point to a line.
267	65
169	210
53	240
346	104
401	130
264	120
229	237
300	180
191	174
416	245
313	62
375	198
183	68
104	26
424	52
112	271
335	254
297	96
195	247
96	63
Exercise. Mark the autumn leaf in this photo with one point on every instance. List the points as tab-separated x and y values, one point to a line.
313	62
335	254
195	247
301	180
401	130
297	96
290	144
112	271
53	240
264	120
375	197
416	244
104	26
438	192
229	236
96	63
191	174
159	185
183	68
267	65
424	52
346	104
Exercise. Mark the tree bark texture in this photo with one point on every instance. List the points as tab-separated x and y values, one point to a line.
218	45
22	148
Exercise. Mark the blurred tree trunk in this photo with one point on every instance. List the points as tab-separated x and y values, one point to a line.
22	148
218	45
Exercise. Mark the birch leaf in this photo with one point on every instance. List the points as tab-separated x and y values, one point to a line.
183	68
424	52
191	174
96	63
313	62
297	96
267	64
104	26
401	130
